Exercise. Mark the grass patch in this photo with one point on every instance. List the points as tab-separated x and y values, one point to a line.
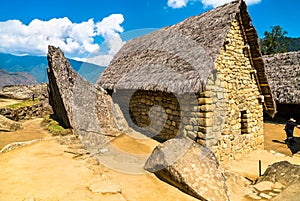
23	104
54	127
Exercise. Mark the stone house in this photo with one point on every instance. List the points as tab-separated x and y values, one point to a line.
283	71
202	78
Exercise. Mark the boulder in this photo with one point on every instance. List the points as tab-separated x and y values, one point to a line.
283	172
9	125
78	104
280	180
190	167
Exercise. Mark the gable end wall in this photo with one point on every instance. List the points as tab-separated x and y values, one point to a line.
238	113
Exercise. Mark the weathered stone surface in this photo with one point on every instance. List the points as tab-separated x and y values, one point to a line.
190	167
238	186
291	193
8	125
24	92
78	104
264	186
283	172
266	196
254	196
278	185
283	178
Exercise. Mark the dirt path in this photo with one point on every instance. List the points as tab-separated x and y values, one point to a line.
32	130
44	171
5	102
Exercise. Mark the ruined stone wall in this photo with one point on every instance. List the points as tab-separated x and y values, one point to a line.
24	113
234	86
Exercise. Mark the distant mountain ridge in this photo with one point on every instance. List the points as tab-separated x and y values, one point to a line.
7	78
292	44
37	67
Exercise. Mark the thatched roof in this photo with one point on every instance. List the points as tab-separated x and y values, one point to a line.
283	71
180	58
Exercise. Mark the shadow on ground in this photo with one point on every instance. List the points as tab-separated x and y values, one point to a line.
293	146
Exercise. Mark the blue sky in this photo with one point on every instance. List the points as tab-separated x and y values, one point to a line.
94	30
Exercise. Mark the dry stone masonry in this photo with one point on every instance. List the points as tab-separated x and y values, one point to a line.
242	130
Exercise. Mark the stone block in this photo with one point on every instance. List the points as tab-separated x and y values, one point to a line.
206	108
203	101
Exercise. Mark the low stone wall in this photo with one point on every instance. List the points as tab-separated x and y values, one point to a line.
24	113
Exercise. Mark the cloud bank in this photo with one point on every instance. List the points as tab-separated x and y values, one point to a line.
206	3
77	40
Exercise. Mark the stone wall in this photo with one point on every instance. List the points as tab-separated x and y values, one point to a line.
242	128
161	115
24	113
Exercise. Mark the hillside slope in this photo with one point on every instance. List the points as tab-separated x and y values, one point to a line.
37	67
7	78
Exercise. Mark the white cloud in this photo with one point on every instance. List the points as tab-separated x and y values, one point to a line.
206	3
177	3
110	25
75	39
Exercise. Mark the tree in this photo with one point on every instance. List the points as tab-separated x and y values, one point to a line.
273	42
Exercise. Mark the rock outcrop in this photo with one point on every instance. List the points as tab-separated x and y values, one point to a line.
78	104
8	125
190	167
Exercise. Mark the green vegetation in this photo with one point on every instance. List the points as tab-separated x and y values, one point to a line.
273	41
276	41
54	127
27	103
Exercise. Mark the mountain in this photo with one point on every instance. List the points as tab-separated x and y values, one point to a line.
37	67
7	78
292	44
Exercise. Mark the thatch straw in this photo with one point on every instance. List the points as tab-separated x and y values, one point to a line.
180	58
283	71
